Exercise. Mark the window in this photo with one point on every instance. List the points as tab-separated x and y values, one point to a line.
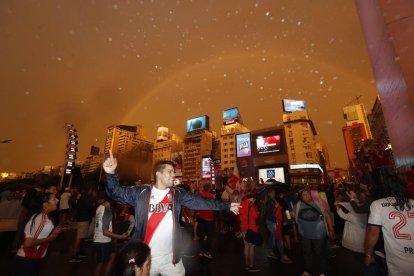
309	155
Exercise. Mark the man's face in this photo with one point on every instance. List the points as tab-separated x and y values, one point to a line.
165	178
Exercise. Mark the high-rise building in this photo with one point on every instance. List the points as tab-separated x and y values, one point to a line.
357	129
197	145
378	127
228	145
122	138
168	147
355	114
92	163
301	142
133	150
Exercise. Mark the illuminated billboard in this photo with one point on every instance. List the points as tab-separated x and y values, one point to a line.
269	175
198	123
230	116
293	105
267	144
162	134
206	167
243	143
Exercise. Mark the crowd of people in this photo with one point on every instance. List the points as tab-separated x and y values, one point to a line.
147	229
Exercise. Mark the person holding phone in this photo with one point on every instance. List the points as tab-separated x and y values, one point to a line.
38	232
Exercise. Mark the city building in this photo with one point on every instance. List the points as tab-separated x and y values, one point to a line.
354	137
228	145
378	127
356	114
168	147
133	151
301	143
262	155
198	144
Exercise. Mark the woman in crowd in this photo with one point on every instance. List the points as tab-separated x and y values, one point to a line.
314	226
39	231
248	217
134	259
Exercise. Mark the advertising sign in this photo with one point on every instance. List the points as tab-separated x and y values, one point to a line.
293	105
267	144
206	167
198	123
243	143
230	116
270	174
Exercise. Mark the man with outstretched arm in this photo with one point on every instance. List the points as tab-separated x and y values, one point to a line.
157	211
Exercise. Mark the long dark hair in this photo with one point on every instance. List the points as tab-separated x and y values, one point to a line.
36	207
397	188
134	253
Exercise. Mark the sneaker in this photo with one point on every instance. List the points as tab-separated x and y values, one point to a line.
304	273
286	260
334	246
254	269
75	260
208	255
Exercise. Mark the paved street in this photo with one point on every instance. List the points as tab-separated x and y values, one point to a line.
227	253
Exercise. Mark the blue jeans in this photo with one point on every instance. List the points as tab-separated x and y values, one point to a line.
271	242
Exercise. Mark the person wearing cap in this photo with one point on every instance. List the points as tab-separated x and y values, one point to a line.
157	211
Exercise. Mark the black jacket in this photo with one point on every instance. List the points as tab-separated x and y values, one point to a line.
139	198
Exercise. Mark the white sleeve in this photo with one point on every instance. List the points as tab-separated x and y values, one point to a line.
375	214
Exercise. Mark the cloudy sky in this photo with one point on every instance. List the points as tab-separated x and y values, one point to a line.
157	62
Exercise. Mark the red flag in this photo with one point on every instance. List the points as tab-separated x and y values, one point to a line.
235	182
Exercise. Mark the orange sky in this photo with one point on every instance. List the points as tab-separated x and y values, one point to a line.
99	63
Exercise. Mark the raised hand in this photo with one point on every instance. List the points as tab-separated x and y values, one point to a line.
110	164
234	207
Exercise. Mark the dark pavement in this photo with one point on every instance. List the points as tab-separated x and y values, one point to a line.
227	252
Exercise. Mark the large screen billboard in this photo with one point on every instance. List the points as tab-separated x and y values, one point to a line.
198	123
206	167
293	105
269	143
269	175
230	116
243	143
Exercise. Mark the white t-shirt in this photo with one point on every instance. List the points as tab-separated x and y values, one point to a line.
398	230
42	227
162	240
103	219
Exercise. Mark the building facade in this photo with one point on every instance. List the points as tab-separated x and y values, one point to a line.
133	151
301	143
